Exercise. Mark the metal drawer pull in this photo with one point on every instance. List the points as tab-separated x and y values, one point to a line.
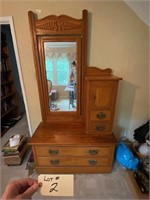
101	115
53	152
54	162
93	151
100	128
92	162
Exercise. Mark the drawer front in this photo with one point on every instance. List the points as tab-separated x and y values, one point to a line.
73	161
73	151
100	116
101	127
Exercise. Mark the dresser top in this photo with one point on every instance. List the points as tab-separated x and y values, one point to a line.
68	134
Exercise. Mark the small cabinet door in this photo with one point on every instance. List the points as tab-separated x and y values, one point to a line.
103	95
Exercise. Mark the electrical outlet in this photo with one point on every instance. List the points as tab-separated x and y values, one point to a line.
124	133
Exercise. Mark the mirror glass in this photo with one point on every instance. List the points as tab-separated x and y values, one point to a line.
61	73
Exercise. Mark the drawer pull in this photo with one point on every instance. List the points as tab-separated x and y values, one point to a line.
101	115
54	162
93	151
92	162
53	152
100	128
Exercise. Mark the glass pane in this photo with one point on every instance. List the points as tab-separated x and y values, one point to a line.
58	60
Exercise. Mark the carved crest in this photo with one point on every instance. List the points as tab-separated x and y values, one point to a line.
60	23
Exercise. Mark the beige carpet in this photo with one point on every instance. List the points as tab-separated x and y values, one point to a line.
87	186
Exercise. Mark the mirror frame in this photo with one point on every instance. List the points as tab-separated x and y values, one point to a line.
61	28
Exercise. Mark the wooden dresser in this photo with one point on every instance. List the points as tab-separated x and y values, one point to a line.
64	148
78	147
80	140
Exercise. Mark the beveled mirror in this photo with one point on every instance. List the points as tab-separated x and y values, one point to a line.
61	75
59	46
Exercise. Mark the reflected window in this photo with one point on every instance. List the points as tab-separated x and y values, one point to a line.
62	71
58	65
49	69
57	70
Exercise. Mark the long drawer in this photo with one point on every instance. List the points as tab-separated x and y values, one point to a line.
73	151
73	161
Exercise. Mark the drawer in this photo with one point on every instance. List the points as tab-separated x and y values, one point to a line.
100	115
73	161
100	127
73	151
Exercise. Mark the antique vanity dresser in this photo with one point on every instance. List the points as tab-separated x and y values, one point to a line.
79	140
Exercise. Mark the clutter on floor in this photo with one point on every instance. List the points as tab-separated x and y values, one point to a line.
136	159
141	149
14	150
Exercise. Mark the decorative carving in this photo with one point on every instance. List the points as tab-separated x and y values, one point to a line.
60	23
94	71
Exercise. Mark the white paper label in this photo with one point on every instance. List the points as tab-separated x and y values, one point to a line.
56	185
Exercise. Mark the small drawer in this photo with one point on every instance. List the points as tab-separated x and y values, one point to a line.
101	127
53	151
73	161
100	115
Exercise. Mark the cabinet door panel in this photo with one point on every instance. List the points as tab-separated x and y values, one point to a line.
104	94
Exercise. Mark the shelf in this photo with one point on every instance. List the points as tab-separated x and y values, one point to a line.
6	82
7	96
10	110
6	71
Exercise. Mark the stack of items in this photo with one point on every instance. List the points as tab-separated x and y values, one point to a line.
14	150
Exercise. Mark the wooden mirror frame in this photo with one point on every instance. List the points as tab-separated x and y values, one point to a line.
59	28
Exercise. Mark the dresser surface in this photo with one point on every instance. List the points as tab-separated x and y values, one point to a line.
66	148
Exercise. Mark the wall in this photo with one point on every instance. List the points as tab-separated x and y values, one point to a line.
118	39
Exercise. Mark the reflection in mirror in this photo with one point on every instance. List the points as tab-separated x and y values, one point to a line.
61	73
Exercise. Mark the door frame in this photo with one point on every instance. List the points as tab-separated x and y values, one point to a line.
9	21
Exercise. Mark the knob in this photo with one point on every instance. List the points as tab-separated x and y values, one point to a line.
53	151
54	162
101	115
93	151
100	128
92	162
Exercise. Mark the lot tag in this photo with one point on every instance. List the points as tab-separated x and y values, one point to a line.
56	185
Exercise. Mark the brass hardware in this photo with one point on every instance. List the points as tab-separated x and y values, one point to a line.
100	128
53	152
54	162
92	162
93	151
101	115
